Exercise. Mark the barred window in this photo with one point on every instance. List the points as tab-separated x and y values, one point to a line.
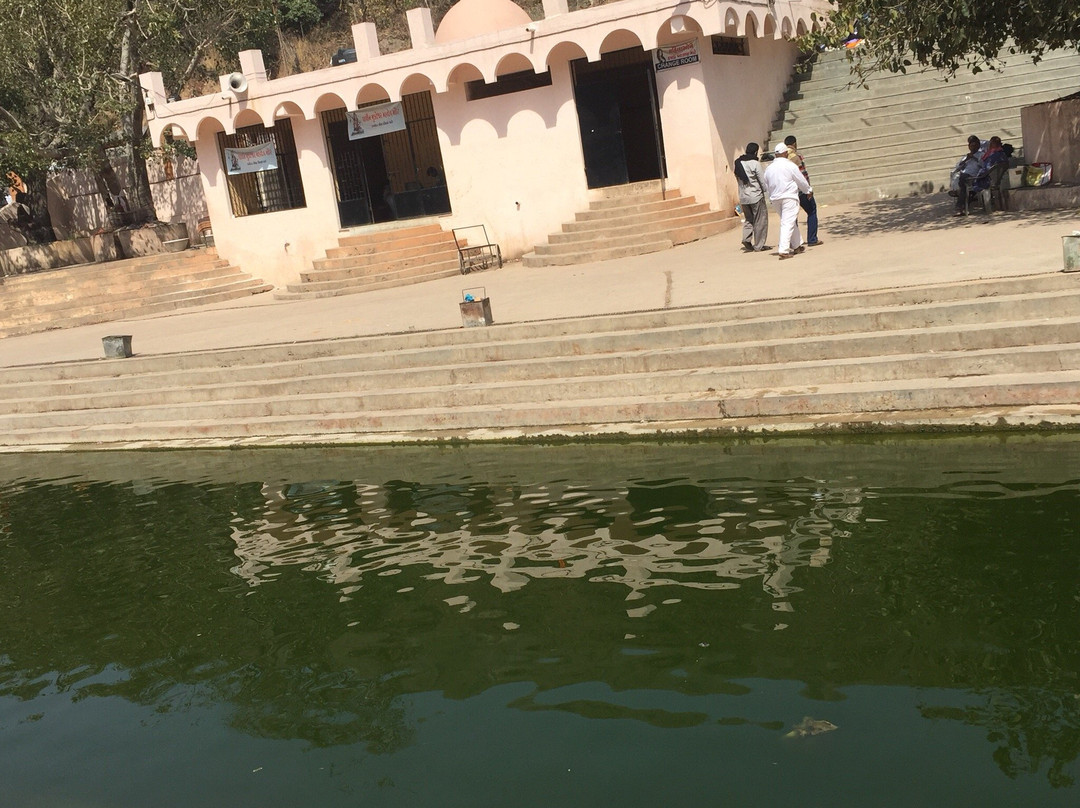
271	190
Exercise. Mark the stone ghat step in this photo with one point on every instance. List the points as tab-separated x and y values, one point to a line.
360	245
109	305
918	93
391	234
972	301
123	290
42	284
990	394
370	279
1047	345
637	223
156	305
336	268
346	393
832	71
964	348
383	257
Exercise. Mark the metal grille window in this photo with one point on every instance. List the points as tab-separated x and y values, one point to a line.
271	190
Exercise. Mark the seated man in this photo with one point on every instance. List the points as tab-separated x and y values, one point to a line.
971	174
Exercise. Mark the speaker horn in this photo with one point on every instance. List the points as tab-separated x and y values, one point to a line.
237	82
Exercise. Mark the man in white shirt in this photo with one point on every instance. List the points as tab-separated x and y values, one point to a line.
783	182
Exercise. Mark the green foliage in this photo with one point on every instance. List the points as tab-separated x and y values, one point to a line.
950	35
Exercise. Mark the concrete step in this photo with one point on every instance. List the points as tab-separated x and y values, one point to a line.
631	344
339	268
218	294
752	366
640	247
628	220
378	260
916	94
832	71
601	216
97	293
980	345
394	349
587	229
370	281
420	242
374	235
710	409
107	304
904	134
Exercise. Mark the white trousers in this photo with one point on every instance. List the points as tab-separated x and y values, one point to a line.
790	238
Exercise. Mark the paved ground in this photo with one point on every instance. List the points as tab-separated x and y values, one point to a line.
867	246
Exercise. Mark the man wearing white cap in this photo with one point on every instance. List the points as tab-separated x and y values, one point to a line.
783	182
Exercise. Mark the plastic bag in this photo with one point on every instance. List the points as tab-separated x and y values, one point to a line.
954	182
1037	174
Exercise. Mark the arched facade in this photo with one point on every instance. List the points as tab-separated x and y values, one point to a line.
494	119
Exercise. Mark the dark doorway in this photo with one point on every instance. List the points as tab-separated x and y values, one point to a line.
393	176
619	117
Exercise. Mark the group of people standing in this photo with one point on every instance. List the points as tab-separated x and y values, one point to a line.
786	183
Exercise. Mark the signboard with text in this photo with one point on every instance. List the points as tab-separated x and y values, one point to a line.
248	159
377	120
684	53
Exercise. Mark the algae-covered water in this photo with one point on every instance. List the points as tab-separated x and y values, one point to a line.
632	625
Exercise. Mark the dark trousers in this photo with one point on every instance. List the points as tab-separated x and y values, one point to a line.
809	204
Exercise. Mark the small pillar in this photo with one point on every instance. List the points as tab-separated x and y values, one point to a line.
421	30
153	92
251	65
365	40
553	8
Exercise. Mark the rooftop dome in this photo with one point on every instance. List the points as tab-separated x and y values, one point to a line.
469	18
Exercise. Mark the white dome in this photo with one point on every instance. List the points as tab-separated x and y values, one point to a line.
469	18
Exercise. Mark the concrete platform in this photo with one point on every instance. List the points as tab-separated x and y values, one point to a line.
874	245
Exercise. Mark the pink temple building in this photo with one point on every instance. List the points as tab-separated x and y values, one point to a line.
492	119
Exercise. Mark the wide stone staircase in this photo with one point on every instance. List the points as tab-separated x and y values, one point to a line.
117	290
378	259
990	352
903	133
627	220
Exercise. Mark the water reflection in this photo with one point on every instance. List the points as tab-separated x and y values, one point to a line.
715	594
660	533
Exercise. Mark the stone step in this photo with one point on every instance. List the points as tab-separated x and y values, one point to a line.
331	268
984	344
96	293
380	259
601	216
705	408
933	115
619	202
905	133
625	221
588	228
756	366
295	397
750	320
417	243
639	247
105	303
218	294
919	95
374	235
740	344
370	281
336	258
832	71
78	291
